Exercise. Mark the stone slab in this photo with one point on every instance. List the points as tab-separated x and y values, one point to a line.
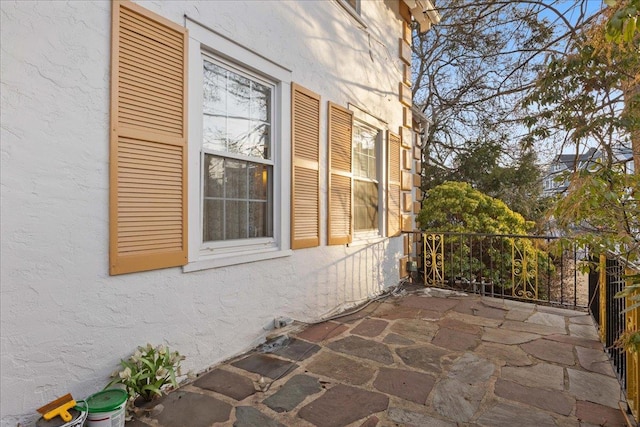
595	361
426	358
201	410
533	328
297	350
550	351
599	415
548	400
518	314
473	320
401	313
542	375
458	397
594	387
477	308
322	331
506	336
293	392
459	325
509	415
578	341
583	331
406	417
503	354
395	339
265	365
415	329
564	312
343	405
408	385
547	319
370	422
338	367
247	416
471	369
456	400
455	340
581	320
363	348
429	303
230	384
370	328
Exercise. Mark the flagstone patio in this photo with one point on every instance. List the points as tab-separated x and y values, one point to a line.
428	358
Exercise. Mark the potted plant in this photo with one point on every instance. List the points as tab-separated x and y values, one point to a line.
147	372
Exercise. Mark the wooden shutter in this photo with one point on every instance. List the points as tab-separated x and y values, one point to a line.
340	199
148	164
393	188
305	178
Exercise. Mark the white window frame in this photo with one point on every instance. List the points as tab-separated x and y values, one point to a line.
204	42
371	236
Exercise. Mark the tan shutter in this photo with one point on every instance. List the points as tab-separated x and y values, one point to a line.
340	198
305	178
148	164
393	190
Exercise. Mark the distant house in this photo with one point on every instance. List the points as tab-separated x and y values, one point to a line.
556	180
185	172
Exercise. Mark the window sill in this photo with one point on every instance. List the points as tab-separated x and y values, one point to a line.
225	260
354	14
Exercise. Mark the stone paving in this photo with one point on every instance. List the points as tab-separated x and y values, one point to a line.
429	358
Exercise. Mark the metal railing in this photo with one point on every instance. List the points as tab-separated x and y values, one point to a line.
524	267
613	319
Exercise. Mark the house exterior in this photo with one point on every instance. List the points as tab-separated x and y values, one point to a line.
186	172
556	180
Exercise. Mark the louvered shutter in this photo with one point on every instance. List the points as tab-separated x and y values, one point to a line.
393	189
340	199
305	178
148	164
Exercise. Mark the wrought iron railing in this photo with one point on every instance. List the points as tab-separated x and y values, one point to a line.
531	268
613	319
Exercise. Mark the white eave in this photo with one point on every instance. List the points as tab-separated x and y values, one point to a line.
424	12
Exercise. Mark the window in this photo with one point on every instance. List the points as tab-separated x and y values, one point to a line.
237	164
365	175
239	153
354	4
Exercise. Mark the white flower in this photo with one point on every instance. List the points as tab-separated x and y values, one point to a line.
161	373
126	374
161	350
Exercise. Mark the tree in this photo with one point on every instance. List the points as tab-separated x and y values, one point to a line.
471	72
461	208
486	234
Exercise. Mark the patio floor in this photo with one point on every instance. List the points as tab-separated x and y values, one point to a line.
428	358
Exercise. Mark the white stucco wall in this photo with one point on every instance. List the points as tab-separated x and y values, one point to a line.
65	321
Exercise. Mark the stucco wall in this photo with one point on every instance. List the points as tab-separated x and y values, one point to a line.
65	321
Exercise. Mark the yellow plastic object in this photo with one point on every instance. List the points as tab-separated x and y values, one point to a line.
62	411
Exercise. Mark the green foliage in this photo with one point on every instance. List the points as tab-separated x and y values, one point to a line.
147	371
487	256
624	23
458	207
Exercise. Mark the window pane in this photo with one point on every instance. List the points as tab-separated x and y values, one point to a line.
237	113
235	179
212	224
259	177
236	220
214	83
214	133
213	174
365	205
259	220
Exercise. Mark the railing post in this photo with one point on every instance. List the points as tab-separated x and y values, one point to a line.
602	286
633	361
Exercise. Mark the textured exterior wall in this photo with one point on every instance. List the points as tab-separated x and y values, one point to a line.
65	321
